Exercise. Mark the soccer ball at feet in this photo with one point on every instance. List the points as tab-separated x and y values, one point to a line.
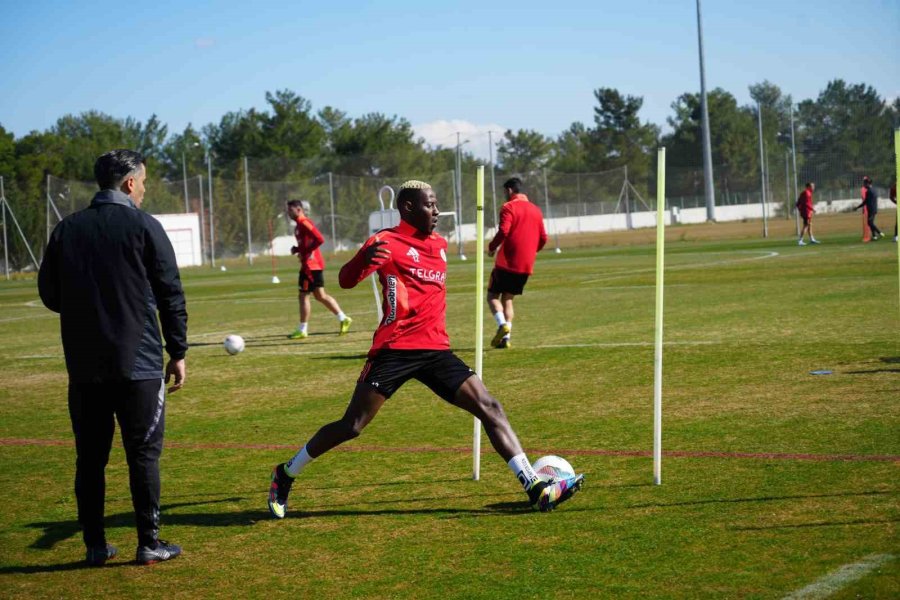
234	344
551	468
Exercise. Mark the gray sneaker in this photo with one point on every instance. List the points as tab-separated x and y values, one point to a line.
162	550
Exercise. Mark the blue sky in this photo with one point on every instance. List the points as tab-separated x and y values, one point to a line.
445	66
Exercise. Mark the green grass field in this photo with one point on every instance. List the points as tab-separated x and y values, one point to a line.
774	477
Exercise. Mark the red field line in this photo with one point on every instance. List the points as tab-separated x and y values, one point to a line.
534	451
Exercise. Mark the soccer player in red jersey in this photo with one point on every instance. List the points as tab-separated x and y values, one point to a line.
520	236
412	343
806	210
311	279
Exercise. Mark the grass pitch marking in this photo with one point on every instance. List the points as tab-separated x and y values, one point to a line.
840	578
629	273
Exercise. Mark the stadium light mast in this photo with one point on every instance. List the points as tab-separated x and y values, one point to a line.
709	190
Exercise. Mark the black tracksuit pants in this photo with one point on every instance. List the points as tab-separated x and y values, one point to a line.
139	407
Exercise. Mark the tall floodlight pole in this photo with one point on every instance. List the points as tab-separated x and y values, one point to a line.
202	224
762	169
184	177
459	144
709	191
3	210
212	238
247	203
493	183
794	158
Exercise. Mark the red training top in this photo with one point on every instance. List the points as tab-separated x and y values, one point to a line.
414	297
805	201
521	233
308	241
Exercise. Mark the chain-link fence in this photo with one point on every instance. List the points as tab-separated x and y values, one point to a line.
240	208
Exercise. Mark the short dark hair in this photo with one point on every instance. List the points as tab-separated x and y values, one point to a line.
411	193
301	204
513	183
809	184
114	167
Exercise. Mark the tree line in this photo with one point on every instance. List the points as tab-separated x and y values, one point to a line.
848	126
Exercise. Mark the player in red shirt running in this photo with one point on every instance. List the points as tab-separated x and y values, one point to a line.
412	343
806	210
520	236
311	279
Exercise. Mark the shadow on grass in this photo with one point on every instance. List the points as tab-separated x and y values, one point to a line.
761	499
57	531
817	524
70	566
54	532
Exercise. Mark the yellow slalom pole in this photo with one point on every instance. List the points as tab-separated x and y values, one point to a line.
658	353
479	309
896	181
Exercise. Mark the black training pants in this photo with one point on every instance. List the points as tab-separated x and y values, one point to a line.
875	231
139	406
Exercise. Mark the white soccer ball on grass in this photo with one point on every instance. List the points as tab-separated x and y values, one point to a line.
551	468
234	344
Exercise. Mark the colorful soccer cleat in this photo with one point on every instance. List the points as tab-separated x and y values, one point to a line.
298	335
345	325
502	332
504	343
278	491
547	495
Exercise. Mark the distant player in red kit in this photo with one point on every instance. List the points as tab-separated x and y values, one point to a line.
312	265
520	236
412	343
806	210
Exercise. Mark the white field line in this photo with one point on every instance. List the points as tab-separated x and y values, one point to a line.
28	317
839	578
621	274
624	344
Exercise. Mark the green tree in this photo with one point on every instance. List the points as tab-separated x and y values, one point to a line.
733	136
524	150
618	137
847	132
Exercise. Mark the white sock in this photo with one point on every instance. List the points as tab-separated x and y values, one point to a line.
341	316
302	327
296	464
500	318
522	469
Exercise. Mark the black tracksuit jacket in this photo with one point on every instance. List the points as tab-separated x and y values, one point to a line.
107	270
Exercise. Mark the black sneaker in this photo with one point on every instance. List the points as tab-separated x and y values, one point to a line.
96	556
279	490
162	550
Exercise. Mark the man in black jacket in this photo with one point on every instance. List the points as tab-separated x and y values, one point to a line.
870	201
108	270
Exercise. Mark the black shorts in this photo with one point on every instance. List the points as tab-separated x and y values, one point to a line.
507	282
440	370
310	280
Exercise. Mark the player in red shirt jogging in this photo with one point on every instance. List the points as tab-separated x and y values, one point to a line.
520	236
412	343
311	279
806	210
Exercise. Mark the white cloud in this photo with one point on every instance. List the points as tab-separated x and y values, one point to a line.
204	42
443	133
